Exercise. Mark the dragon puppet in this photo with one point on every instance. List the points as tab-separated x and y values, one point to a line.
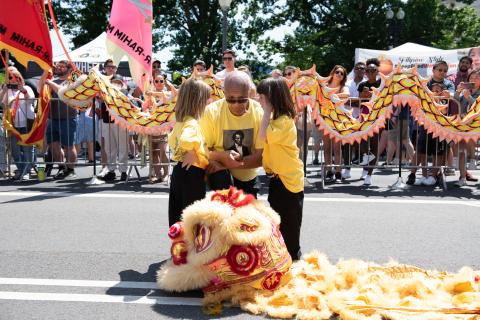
229	245
402	88
154	120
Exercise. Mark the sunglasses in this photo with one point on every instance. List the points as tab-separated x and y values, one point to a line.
158	81
289	74
441	70
371	70
339	72
227	58
359	68
237	101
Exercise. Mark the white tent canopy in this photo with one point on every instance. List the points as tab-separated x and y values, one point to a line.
411	54
93	52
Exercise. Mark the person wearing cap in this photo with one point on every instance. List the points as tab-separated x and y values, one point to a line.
115	141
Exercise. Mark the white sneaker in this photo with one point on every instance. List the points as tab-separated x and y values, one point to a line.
461	183
472	165
394	162
346	174
368	180
25	177
429	181
455	163
421	181
364	174
103	172
366	159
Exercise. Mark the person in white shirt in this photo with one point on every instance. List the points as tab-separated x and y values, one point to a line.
229	59
20	98
352	84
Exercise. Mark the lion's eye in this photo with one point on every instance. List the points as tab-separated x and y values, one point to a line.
203	238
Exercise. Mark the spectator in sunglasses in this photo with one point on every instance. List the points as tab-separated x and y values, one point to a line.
289	72
229	59
352	84
235	119
160	96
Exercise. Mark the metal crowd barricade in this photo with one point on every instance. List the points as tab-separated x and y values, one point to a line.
121	150
396	139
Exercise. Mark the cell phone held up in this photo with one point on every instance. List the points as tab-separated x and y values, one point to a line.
468	85
13	86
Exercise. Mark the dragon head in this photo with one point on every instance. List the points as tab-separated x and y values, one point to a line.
226	242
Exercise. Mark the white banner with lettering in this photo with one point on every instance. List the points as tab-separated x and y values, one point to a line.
411	54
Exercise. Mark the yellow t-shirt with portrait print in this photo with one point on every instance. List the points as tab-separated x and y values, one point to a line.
187	136
280	153
224	131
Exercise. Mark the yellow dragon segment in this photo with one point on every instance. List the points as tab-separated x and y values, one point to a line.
159	120
403	88
80	95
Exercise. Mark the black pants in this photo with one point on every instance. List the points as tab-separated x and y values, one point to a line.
223	180
186	187
289	206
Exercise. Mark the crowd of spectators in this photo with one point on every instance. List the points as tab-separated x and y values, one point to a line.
70	132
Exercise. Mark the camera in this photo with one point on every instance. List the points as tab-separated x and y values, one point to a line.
12	86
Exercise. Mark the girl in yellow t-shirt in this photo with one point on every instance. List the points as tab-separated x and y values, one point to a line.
187	147
280	159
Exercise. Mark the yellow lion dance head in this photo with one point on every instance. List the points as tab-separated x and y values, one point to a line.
226	242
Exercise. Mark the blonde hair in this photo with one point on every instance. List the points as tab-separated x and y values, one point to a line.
14	72
192	99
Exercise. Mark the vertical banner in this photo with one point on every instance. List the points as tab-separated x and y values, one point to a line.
24	31
129	33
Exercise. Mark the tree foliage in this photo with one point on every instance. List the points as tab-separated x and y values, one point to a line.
84	20
327	32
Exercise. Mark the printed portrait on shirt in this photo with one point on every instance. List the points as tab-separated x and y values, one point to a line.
240	141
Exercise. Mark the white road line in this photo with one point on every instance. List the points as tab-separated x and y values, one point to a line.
25	194
78	283
39	296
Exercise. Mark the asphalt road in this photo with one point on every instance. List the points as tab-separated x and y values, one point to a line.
71	251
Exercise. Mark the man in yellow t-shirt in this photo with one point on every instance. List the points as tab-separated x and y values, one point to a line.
230	127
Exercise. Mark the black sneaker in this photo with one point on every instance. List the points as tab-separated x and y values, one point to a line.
123	176
65	173
411	179
60	174
48	170
329	175
338	176
110	176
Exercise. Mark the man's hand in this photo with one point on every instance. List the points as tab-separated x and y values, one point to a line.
189	159
446	94
231	159
214	166
467	94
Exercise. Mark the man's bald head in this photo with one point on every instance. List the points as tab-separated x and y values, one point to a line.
238	82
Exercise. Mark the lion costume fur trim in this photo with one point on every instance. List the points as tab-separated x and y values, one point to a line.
358	290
